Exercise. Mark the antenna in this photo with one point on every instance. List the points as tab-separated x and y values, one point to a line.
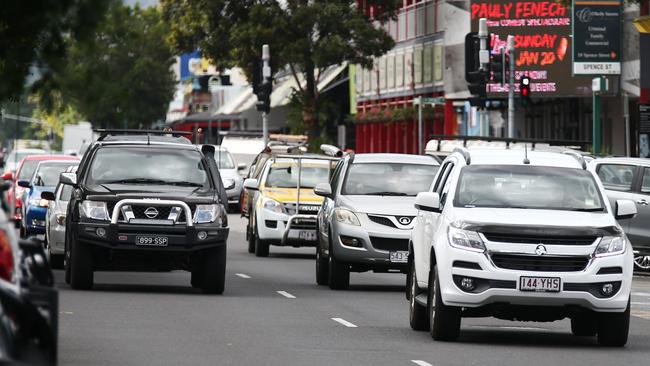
526	160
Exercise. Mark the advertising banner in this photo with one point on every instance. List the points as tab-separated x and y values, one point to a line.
597	37
542	35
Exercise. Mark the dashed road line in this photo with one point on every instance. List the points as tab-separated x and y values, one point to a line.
641	314
286	294
647	294
640	303
421	363
242	275
344	322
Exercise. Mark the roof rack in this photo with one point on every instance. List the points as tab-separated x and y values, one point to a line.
105	132
463	151
582	144
578	157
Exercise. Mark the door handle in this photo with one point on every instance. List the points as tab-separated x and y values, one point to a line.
642	202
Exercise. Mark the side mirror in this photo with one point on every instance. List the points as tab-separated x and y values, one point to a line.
24	184
68	178
252	184
323	190
625	209
428	201
46	195
241	166
8	175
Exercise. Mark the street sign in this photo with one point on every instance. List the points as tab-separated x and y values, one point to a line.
597	37
438	100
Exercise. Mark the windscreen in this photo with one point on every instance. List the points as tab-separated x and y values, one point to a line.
48	174
388	179
529	187
285	174
147	165
27	170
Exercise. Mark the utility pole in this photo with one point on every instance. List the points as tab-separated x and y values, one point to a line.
511	87
598	85
266	77
418	101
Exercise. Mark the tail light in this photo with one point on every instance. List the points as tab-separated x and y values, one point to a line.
6	258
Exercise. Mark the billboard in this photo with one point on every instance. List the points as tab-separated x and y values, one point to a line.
597	37
542	38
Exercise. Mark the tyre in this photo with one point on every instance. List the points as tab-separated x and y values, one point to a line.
339	273
81	266
444	321
23	232
214	270
196	277
56	261
261	247
251	242
66	264
418	316
584	325
322	267
613	328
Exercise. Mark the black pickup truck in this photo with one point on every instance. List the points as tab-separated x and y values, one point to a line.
146	201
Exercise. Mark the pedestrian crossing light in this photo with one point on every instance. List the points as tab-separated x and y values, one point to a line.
524	89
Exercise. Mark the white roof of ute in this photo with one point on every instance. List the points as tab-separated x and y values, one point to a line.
517	156
395	158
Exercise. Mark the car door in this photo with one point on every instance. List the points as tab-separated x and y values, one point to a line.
618	181
423	238
328	206
638	230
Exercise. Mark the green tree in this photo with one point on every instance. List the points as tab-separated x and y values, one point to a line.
122	74
55	116
306	36
34	35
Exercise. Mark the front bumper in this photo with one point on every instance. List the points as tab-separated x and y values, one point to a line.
57	238
234	194
376	243
35	219
286	230
502	285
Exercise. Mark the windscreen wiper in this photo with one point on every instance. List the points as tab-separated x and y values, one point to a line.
593	209
386	194
185	184
136	181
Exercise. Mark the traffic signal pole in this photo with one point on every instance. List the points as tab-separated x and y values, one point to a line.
511	88
484	60
266	75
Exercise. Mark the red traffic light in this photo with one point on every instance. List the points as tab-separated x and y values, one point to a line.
524	92
524	87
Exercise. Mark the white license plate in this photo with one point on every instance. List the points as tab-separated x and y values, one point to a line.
540	284
154	241
400	256
308	235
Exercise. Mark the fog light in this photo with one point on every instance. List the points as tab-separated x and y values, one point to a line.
101	232
202	235
351	242
467	284
607	289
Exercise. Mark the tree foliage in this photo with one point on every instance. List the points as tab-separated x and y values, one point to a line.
122	74
34	34
307	36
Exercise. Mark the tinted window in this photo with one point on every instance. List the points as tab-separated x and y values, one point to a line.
616	177
395	179
645	185
137	165
531	187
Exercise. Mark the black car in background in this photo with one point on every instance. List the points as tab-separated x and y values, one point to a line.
146	201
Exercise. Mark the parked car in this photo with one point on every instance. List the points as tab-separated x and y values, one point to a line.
629	178
44	179
283	211
519	235
25	171
232	180
28	300
57	209
367	214
146	201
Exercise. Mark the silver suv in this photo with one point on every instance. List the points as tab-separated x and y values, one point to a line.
629	178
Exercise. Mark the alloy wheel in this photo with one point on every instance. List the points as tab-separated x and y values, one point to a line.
642	262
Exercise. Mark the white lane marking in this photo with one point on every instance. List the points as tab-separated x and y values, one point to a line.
641	294
242	275
286	294
421	363
344	322
641	314
640	303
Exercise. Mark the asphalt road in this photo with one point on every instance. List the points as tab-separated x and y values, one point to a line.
273	313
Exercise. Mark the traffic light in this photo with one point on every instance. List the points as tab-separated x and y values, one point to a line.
499	65
262	87
476	77
524	89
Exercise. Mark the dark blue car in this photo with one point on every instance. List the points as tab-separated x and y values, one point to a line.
44	179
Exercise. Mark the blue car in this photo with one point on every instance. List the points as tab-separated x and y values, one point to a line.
44	179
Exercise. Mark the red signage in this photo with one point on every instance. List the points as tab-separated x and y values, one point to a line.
541	31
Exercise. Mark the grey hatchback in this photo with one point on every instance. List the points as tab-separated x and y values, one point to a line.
629	178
